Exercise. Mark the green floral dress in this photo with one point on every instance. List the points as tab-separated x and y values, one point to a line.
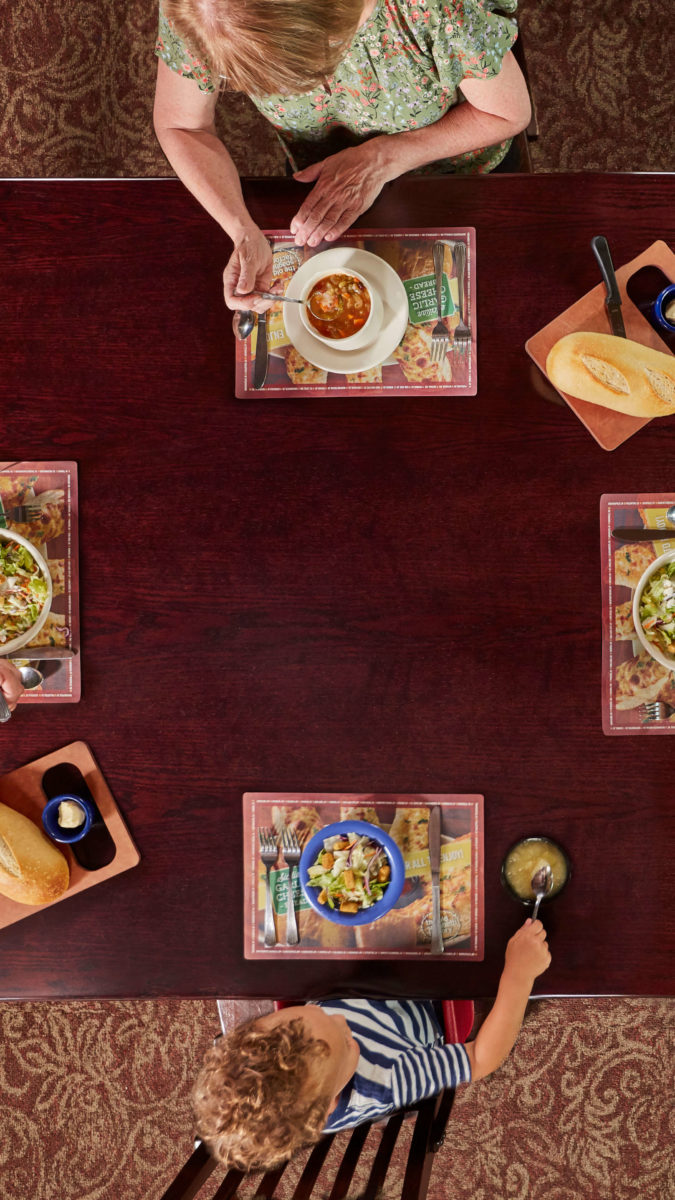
402	71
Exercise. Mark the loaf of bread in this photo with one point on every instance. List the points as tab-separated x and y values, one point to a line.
615	373
32	869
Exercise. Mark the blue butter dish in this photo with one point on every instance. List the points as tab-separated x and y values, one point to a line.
76	814
664	309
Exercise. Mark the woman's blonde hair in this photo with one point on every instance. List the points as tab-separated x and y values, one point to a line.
262	47
259	1096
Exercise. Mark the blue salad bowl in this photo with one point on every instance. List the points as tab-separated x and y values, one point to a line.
394	858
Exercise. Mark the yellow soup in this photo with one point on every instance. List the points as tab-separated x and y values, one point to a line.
525	859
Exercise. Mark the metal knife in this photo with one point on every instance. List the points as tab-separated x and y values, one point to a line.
260	369
644	535
437	946
613	300
41	653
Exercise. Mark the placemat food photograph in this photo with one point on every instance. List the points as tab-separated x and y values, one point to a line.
631	676
39	501
408	350
404	931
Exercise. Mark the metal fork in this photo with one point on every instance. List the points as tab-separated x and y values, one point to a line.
291	851
656	710
462	336
23	513
440	337
269	852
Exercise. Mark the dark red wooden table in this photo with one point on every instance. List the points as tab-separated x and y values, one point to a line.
379	594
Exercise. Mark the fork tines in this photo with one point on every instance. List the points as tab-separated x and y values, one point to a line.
289	841
655	710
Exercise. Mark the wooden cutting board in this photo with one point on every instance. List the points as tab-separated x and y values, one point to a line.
609	428
22	790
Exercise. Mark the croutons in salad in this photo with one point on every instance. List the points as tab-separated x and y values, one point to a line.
657	608
352	872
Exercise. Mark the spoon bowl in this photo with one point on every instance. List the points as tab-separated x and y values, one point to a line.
670	514
31	677
542	881
242	323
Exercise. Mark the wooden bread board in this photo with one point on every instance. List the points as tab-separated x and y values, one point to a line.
609	428
22	790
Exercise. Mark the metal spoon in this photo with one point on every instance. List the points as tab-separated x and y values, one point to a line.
542	881
30	678
670	514
242	323
320	316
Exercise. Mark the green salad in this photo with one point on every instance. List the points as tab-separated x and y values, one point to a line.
23	590
352	872
657	608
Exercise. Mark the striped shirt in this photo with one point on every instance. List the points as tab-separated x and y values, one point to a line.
402	1059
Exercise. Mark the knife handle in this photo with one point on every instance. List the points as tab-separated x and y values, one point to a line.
600	249
643	535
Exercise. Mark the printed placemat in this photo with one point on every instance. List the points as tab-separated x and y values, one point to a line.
407	368
51	487
22	790
609	428
630	676
405	932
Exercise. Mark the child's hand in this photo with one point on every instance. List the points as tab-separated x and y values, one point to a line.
10	683
527	952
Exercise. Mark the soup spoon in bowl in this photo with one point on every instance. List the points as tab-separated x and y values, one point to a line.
320	316
542	881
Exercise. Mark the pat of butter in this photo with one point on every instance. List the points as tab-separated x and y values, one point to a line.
70	815
670	312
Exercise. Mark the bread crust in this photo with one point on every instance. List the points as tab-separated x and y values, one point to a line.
32	869
615	373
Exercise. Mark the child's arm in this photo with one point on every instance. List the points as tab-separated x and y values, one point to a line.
527	955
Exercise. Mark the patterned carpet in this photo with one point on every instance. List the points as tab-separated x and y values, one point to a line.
76	85
94	1104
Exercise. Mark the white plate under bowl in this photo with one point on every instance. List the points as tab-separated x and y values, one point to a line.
661	657
16	643
381	278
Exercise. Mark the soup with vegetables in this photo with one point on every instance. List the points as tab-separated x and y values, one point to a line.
528	857
338	306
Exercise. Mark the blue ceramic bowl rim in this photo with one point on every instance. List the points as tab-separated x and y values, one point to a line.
535	837
668	293
50	819
366	915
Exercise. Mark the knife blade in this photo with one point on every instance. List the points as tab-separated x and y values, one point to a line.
437	946
644	535
260	369
41	653
600	249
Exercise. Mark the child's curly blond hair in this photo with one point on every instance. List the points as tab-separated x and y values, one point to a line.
260	1096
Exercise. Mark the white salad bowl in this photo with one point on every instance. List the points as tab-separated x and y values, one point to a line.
16	643
664	659
368	330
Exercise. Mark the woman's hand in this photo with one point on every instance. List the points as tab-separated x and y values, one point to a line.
527	952
346	185
249	269
10	684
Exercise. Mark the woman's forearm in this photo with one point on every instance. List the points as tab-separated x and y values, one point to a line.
462	129
202	162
